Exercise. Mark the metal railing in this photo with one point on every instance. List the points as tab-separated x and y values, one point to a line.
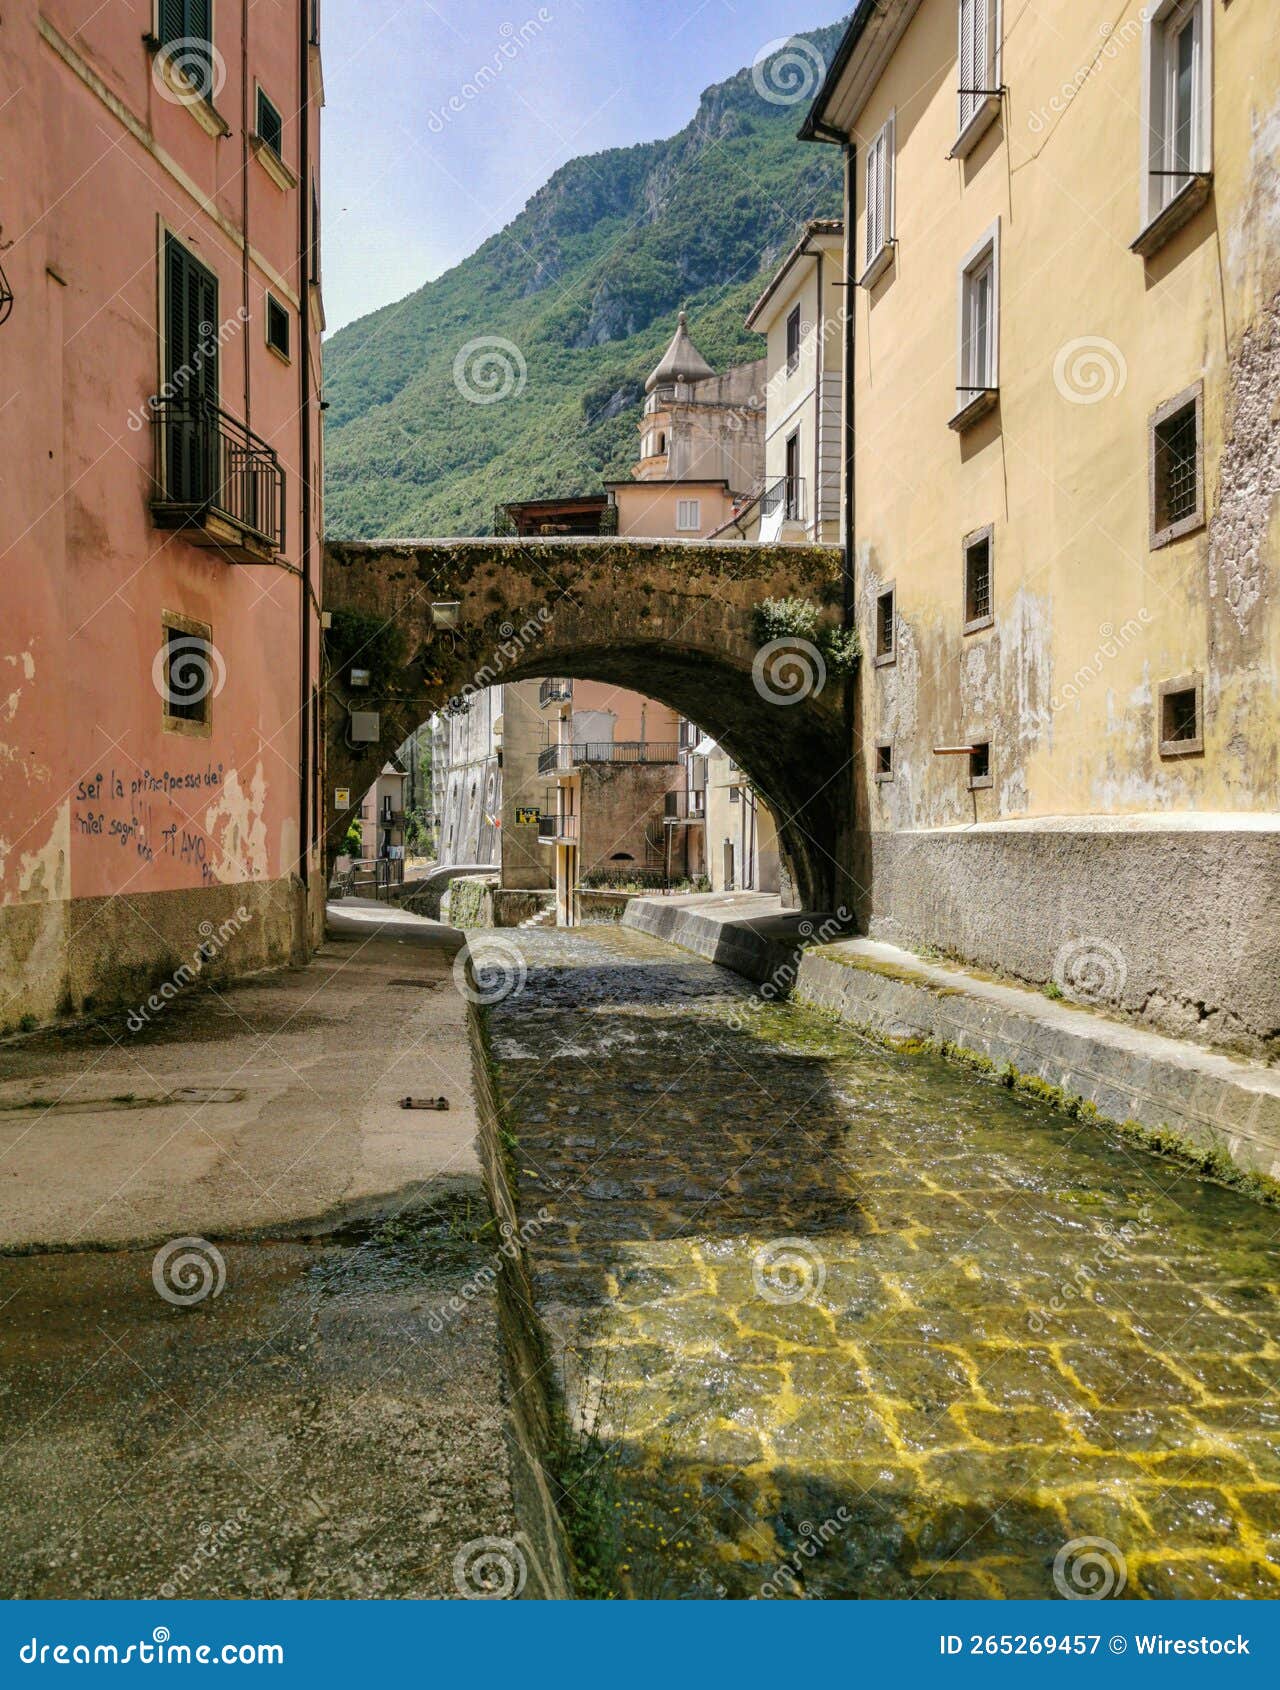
208	461
371	874
554	830
561	759
785	494
555	692
684	806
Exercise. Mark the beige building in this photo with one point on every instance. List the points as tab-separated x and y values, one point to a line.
1067	463
742	841
802	316
610	758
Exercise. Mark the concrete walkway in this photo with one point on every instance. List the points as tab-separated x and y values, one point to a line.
300	1392
260	1107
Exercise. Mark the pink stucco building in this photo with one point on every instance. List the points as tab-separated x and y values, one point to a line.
159	495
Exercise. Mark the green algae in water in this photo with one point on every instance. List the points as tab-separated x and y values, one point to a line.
997	1327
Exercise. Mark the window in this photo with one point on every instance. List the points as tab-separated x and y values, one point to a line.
977	581
793	341
884	760
188	671
1176	454
886	617
980	764
1178	131
735	795
1181	708
978	89
187	26
270	125
793	487
277	326
661	447
688	515
313	267
978	378
879	210
190	365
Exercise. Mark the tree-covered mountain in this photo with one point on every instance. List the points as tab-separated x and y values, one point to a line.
585	283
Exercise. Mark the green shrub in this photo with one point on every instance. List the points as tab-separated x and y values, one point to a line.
801	619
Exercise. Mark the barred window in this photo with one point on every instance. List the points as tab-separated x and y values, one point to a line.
977	581
1177	467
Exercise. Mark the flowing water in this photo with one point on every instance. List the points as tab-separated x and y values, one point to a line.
843	1322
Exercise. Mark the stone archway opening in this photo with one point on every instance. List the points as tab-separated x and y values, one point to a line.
418	624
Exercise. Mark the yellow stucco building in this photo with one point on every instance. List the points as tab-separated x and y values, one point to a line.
1063	223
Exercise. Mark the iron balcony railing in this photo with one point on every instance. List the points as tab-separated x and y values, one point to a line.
209	463
684	806
562	759
557	830
785	494
555	692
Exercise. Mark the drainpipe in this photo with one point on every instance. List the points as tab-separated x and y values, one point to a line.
824	132
304	398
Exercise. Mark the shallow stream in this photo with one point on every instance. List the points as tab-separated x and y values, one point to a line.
840	1322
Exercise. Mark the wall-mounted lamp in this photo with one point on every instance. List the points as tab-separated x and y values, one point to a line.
359	678
445	614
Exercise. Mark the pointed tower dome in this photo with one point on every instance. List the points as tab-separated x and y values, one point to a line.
680	362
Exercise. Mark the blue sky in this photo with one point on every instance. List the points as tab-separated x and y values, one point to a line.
411	187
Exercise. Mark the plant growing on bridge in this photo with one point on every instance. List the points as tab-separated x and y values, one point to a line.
801	619
359	640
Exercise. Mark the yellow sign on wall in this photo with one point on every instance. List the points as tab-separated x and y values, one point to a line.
526	816
342	797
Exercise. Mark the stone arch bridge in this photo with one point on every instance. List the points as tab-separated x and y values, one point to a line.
670	619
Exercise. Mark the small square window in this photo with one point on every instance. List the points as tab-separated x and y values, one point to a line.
793	341
270	125
688	515
735	795
277	326
884	760
1177	467
1181	717
977	581
188	673
980	764
886	626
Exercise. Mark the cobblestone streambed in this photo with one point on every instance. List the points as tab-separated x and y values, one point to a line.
840	1322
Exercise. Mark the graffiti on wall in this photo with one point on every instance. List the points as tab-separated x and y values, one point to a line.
135	813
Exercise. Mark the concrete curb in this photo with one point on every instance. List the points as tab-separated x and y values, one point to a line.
1223	1111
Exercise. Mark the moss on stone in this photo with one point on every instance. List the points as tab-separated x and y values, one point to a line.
888	971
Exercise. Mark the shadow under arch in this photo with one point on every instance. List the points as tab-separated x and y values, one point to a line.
434	621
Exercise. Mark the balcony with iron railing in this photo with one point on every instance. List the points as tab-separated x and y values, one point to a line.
563	759
555	691
786	494
217	481
557	830
684	806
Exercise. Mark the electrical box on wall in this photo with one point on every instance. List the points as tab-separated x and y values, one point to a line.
366	727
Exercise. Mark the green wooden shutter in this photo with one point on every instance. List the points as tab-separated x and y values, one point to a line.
199	19
191	374
172	21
